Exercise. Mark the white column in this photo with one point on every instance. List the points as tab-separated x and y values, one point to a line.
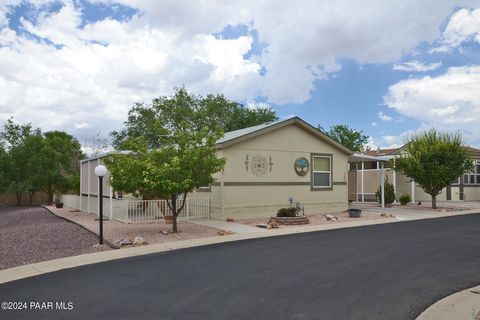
363	194
81	186
413	191
88	187
383	184
98	192
111	203
394	181
356	184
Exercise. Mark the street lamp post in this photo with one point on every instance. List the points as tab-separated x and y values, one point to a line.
100	172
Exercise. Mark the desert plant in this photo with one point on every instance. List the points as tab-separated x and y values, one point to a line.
389	193
404	199
287	212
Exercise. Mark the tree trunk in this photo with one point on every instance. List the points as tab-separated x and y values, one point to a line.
19	198
434	201
50	198
174	212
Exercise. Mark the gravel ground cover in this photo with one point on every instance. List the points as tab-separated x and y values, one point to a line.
151	231
33	234
317	219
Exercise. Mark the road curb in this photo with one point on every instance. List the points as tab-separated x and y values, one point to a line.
461	305
39	268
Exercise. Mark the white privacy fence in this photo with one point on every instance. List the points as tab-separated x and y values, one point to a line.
132	210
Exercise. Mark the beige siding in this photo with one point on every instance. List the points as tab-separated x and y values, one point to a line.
404	186
469	192
93	178
282	146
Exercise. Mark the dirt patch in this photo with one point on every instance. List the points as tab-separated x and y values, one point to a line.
317	219
152	231
32	234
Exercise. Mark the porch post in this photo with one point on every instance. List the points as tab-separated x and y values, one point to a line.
413	191
356	185
363	193
81	186
88	188
383	184
111	203
394	181
99	197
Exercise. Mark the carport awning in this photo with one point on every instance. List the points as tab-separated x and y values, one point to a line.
359	157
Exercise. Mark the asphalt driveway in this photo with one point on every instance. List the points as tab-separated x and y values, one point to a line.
391	271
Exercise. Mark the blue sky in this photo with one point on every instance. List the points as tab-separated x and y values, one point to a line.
389	69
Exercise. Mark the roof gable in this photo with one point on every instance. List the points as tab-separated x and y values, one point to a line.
234	137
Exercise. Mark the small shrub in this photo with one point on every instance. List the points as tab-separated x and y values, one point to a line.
404	199
287	212
389	193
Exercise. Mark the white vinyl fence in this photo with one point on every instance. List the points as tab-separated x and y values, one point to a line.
132	210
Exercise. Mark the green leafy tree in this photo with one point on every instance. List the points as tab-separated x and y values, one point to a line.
22	144
434	160
32	161
353	139
3	169
186	160
164	115
58	160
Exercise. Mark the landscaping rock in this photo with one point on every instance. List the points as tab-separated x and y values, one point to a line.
139	241
230	220
224	232
124	242
262	225
387	215
330	217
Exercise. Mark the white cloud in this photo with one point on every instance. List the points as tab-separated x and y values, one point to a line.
416	66
374	124
384	117
463	26
82	125
450	101
98	70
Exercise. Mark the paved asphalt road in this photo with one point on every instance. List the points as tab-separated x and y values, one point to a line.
391	271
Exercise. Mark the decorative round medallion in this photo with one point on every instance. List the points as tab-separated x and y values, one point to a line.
258	165
301	166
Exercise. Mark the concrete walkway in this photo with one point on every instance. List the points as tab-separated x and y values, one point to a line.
461	305
403	213
227	226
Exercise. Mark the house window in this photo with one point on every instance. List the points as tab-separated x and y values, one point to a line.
322	172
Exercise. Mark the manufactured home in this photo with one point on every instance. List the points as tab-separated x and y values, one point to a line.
365	179
266	166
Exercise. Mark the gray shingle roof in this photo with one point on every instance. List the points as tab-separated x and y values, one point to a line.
231	135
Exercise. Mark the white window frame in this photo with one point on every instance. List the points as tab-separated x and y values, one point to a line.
329	172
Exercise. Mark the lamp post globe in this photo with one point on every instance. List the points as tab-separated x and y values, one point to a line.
100	172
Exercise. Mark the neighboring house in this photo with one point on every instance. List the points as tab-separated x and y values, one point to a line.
465	188
265	166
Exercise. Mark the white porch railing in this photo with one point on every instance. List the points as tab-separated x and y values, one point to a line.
132	210
148	210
